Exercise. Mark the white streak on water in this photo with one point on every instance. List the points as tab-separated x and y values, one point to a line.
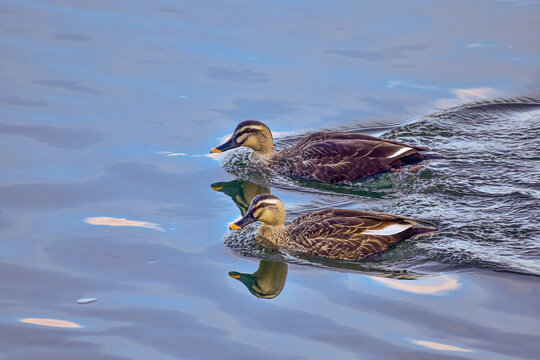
438	285
85	301
438	346
111	221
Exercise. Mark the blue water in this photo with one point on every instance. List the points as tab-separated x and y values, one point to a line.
107	114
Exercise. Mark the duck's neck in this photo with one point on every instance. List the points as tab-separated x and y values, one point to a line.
275	234
266	152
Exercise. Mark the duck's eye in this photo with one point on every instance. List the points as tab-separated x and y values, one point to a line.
241	138
259	210
244	134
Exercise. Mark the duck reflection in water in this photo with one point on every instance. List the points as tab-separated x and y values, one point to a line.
269	279
241	192
267	282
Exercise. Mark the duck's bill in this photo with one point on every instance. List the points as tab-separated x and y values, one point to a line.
235	275
246	220
217	186
230	144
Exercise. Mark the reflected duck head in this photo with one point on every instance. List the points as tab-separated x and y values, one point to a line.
241	192
267	282
251	133
266	208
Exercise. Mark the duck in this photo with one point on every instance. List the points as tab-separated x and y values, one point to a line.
267	282
342	234
329	157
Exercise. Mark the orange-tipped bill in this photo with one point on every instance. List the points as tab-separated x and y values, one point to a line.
247	219
229	144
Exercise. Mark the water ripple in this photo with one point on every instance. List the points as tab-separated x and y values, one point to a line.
483	193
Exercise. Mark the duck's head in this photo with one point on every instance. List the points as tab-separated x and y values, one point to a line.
266	208
250	133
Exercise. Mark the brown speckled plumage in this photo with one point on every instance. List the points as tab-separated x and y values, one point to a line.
334	157
331	157
337	233
334	233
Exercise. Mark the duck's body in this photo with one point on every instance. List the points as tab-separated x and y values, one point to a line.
337	157
335	233
331	157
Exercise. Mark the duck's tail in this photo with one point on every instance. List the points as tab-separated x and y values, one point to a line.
417	157
419	230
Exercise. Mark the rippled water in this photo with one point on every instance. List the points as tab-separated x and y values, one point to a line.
483	193
112	235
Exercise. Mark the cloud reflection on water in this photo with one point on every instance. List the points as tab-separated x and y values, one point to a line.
111	221
51	323
427	286
438	346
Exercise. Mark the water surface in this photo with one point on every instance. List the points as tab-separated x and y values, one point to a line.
107	112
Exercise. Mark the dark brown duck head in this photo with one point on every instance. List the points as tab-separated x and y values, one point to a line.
253	134
266	208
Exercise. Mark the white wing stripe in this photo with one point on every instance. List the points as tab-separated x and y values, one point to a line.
399	152
389	230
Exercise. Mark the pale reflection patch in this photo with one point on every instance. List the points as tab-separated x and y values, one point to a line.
475	94
463	96
170	153
427	286
214	156
438	346
111	221
51	322
484	45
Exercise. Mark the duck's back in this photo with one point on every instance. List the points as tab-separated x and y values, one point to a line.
349	234
335	157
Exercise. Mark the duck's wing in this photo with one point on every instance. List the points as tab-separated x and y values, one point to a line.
339	135
339	157
348	234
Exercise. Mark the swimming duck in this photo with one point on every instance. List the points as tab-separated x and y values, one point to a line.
267	282
330	157
334	233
